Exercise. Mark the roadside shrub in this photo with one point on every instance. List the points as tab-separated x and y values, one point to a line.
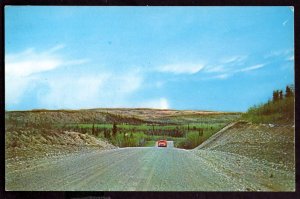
129	139
193	140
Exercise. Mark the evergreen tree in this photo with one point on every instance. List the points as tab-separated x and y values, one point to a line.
280	95
275	95
105	133
114	130
108	134
288	92
93	129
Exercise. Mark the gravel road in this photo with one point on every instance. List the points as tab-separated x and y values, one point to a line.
147	169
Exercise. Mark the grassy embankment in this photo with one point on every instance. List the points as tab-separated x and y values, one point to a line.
279	110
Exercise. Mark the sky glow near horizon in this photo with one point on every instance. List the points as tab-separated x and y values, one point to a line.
200	58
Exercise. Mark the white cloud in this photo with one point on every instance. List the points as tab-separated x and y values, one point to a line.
31	62
22	69
181	68
90	91
128	82
24	72
73	92
54	49
161	103
251	68
15	88
215	69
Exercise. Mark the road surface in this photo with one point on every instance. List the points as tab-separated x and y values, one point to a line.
148	169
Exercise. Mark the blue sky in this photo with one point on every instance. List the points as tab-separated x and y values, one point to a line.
203	58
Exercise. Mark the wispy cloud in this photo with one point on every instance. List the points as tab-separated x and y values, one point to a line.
233	71
31	62
54	49
215	69
226	64
285	22
181	68
226	67
251	68
278	53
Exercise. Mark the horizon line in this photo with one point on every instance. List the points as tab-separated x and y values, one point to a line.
128	108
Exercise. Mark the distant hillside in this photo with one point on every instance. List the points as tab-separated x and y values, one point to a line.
43	117
129	116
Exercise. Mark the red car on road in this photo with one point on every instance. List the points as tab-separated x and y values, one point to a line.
162	143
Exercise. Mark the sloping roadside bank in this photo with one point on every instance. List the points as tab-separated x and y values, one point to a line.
25	146
272	143
262	153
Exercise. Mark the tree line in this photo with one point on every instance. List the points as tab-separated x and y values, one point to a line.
279	95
